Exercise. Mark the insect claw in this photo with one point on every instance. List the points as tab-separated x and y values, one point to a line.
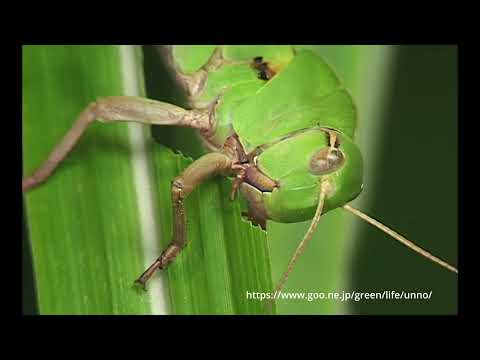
138	282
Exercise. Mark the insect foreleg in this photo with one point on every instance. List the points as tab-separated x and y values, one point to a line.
208	165
118	108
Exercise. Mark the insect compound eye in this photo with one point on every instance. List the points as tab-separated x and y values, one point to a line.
326	161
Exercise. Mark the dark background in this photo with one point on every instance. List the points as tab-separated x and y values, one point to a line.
419	153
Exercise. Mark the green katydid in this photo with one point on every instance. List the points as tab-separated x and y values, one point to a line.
276	119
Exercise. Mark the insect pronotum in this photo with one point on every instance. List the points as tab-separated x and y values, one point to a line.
251	106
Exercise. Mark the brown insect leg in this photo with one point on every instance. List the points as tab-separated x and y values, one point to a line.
236	184
203	168
118	108
61	150
194	83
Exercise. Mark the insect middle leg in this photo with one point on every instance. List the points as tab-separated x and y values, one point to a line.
206	166
119	108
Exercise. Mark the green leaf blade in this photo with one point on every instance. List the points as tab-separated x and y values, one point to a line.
83	223
225	256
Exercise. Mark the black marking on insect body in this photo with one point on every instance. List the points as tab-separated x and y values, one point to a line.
265	72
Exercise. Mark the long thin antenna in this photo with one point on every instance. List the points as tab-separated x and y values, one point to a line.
400	238
305	240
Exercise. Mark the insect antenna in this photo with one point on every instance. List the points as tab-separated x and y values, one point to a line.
400	238
303	243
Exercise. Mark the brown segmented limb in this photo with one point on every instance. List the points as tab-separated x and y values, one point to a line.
200	170
400	238
301	246
118	108
239	179
194	83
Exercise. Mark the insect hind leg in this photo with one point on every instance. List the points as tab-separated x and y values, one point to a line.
118	108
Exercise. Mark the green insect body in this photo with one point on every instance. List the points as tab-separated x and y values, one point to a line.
282	121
